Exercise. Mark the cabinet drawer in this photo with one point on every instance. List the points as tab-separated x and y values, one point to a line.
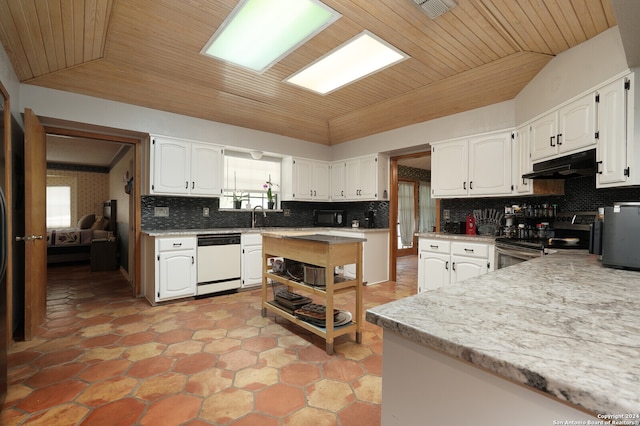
434	246
171	244
252	239
470	249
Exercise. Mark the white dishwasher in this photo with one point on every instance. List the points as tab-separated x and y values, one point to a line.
218	263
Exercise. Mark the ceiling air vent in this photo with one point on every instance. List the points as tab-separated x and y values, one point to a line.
435	8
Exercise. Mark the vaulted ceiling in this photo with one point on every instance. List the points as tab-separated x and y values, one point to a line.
146	53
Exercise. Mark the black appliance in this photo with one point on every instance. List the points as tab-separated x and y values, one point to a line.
329	218
571	230
454	227
568	166
4	238
370	219
595	238
620	236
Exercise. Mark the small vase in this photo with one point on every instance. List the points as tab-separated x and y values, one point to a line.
237	204
271	204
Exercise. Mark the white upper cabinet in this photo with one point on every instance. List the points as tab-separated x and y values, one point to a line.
305	180
367	178
614	146
475	166
521	162
338	185
490	164
450	168
180	167
570	128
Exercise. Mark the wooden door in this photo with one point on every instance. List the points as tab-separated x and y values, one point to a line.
35	223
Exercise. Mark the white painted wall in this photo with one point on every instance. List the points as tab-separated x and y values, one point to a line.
86	109
571	73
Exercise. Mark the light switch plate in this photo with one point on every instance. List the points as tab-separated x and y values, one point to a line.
161	211
446	214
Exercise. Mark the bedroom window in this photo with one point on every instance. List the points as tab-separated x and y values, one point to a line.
58	206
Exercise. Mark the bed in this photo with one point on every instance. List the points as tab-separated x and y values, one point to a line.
74	244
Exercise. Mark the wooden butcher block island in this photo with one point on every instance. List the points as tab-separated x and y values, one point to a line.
325	251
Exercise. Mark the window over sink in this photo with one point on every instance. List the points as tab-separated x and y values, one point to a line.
246	180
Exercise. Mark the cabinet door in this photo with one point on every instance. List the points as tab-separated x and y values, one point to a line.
176	274
320	185
521	162
352	177
576	125
206	169
435	271
542	137
302	175
449	169
338	181
369	178
463	268
490	165
251	266
611	147
171	170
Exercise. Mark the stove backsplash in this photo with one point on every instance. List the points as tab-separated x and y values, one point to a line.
186	213
580	195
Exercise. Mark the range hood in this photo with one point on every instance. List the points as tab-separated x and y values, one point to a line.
569	166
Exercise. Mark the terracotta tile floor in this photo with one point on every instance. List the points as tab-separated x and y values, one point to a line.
105	358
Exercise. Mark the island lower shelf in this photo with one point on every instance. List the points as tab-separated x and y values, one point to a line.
327	254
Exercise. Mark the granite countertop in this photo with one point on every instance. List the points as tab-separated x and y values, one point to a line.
562	324
457	237
213	231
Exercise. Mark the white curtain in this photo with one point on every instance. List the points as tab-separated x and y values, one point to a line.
427	208
405	213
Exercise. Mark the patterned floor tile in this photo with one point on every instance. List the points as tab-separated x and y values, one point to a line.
103	357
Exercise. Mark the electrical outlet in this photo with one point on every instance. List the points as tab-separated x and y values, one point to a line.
286	212
205	211
161	211
446	214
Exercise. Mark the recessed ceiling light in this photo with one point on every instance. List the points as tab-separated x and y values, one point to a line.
258	33
359	57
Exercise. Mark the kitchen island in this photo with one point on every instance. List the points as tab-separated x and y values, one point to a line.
553	339
323	251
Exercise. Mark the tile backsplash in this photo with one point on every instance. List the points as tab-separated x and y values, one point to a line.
580	195
187	213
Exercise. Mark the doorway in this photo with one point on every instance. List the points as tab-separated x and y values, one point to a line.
125	187
411	207
102	134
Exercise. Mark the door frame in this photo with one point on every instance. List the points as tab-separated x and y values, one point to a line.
83	130
393	209
9	199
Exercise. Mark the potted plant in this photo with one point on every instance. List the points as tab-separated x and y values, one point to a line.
237	199
270	197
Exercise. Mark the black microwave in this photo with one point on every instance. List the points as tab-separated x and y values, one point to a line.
329	218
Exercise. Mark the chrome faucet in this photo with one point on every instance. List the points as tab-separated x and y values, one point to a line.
253	216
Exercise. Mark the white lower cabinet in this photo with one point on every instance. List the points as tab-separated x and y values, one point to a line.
375	256
251	263
170	270
442	262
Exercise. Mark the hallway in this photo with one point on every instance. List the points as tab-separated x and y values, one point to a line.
102	358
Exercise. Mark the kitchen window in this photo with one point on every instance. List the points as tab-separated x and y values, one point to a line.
245	179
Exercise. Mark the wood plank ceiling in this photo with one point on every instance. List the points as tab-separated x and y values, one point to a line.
146	52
